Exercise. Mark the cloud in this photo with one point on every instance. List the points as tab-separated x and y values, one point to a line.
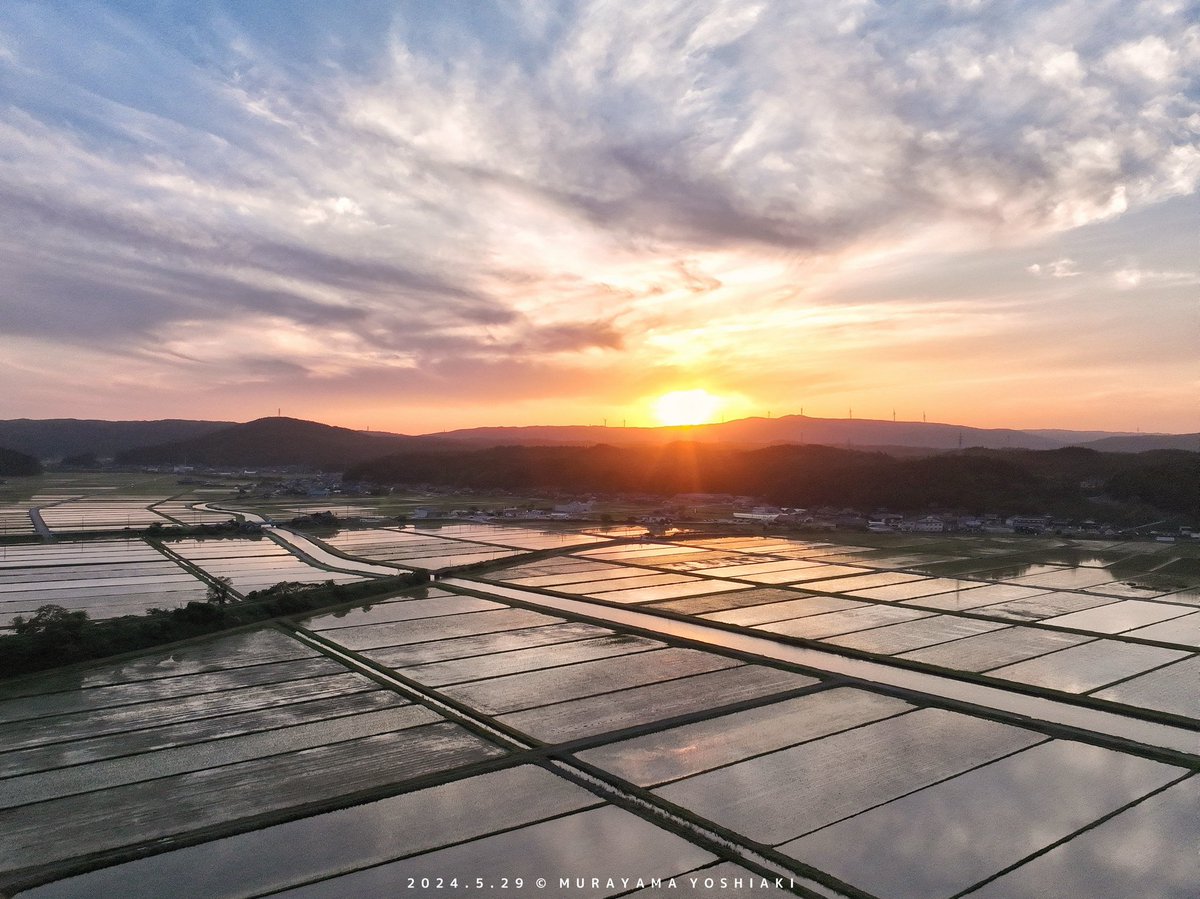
1059	268
1131	278
539	186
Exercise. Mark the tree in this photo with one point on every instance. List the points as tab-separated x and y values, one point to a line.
18	464
218	591
81	460
51	622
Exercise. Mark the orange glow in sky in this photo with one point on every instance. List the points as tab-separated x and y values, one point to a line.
687	407
657	213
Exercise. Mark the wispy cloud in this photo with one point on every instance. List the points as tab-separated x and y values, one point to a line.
577	188
1059	268
1130	278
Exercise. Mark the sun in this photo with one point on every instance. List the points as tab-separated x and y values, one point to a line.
687	407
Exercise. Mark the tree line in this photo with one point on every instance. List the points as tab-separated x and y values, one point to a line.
15	464
1073	481
55	636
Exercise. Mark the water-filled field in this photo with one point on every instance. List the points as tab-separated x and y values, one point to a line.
105	578
253	563
938	718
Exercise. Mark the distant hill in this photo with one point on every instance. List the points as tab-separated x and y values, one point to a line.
1061	481
1140	443
55	438
798	429
15	464
1076	438
272	442
289	441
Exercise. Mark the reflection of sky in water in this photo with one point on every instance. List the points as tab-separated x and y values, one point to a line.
96	586
396	633
783	611
98	607
537	688
1178	630
998	648
917	588
914	634
1066	578
652	702
862	582
440	674
832	623
402	610
249	648
1046	605
1173	688
938	840
98	700
744	568
480	644
90	723
783	795
1190	595
296	851
603	584
945	838
155	809
1149	850
1134	589
90	748
694	587
577	576
604	842
1090	665
164	762
682	751
1120	616
986	595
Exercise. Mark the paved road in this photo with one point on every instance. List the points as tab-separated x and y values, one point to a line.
248	516
35	515
317	555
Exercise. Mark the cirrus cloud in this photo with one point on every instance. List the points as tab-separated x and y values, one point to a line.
588	187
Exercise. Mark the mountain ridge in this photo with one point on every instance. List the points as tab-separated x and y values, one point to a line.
56	438
275	441
280	440
800	429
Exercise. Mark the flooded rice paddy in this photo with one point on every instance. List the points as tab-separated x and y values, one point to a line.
998	718
105	578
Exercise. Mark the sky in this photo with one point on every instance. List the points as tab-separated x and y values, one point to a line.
417	216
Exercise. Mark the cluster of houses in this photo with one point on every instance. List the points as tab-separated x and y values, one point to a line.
712	508
559	512
750	512
887	522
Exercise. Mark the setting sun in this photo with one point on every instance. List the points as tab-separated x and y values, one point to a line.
687	407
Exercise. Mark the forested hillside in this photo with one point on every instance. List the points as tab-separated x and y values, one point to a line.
1070	481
